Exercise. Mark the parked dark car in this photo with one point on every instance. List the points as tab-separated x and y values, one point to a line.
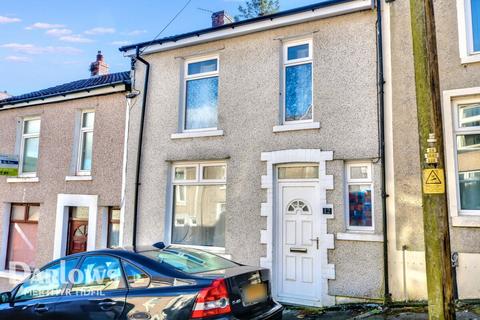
156	282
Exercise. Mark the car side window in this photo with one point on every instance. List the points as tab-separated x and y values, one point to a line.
136	278
98	273
47	282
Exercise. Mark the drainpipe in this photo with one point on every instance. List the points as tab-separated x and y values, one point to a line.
140	143
381	115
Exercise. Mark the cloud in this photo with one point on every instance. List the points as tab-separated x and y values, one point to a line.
44	26
58	32
135	32
33	49
120	43
100	30
18	59
4	20
76	38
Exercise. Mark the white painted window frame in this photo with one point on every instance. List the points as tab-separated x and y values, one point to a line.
291	63
199	181
84	130
198	76
358	182
182	201
22	146
452	129
465	33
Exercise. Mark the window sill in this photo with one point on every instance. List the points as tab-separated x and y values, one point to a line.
197	134
78	178
466	221
297	126
357	236
471	58
22	179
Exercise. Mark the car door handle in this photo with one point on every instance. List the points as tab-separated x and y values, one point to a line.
107	304
40	308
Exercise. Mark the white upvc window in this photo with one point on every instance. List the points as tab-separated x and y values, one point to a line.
467	155
198	212
201	94
29	147
85	143
298	82
468	13
359	196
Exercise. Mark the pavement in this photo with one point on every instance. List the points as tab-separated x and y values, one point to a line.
374	312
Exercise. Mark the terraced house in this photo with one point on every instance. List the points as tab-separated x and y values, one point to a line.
259	140
69	143
458	42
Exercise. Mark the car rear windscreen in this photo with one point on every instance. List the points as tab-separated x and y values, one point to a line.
189	260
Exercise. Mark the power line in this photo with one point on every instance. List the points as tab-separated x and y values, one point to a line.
168	24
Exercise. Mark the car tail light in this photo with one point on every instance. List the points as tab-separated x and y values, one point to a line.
212	301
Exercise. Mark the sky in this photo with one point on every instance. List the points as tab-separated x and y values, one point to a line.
50	42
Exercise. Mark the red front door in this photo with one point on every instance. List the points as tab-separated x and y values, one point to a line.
77	237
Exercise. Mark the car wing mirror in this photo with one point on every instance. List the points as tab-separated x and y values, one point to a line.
5	297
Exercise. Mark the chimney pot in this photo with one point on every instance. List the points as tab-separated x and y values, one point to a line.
99	67
220	18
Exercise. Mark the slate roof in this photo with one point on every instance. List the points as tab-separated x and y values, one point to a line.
71	87
312	7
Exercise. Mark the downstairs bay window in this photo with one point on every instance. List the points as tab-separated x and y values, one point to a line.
22	237
467	134
199	197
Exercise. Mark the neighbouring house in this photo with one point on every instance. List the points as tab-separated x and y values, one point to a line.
259	141
458	42
69	142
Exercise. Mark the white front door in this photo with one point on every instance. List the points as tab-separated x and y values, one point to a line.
298	249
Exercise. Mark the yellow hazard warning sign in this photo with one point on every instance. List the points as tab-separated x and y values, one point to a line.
433	181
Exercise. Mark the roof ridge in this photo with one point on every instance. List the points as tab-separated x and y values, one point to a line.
69	87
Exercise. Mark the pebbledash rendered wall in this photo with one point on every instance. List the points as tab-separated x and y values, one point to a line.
405	223
56	144
345	105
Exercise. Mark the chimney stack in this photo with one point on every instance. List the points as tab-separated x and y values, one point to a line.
220	18
99	67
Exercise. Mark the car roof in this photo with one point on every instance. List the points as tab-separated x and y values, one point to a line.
154	268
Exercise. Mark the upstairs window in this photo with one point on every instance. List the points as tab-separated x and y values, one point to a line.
29	147
85	147
201	94
469	30
298	103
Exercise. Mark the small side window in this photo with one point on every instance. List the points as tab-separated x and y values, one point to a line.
136	278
